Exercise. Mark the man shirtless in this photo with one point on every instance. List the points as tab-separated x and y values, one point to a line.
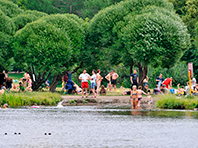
114	80
108	77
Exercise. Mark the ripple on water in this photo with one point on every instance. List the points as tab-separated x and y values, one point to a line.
83	126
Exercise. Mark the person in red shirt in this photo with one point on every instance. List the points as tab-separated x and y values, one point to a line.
167	82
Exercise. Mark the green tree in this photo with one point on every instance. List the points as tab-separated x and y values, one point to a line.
40	49
49	46
9	8
134	47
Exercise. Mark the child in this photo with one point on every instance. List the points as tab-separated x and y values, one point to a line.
103	90
134	96
140	92
149	99
21	87
156	90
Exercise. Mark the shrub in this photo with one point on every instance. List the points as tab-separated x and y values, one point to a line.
172	102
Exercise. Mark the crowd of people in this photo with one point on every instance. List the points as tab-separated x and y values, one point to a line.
6	83
95	81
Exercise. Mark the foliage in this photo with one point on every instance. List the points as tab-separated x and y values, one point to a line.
26	17
9	8
6	24
179	72
155	38
172	102
6	53
191	18
74	30
29	98
6	32
92	7
41	49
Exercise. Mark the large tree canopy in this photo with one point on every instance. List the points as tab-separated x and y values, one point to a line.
140	32
49	46
155	37
41	49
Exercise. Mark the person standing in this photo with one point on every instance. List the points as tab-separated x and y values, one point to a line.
93	82
114	80
134	79
159	80
134	96
84	77
168	82
98	80
108	77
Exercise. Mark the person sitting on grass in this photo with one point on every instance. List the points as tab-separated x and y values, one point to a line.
103	90
149	99
29	83
180	90
126	92
2	89
196	90
164	90
21	87
156	90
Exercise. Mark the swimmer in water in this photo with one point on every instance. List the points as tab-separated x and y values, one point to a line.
134	97
149	99
140	92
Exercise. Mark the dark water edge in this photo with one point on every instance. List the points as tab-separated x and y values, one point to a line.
97	126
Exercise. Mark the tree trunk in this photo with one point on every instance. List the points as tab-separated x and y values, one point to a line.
70	8
54	83
131	67
142	74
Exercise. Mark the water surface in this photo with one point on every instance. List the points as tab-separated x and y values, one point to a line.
97	127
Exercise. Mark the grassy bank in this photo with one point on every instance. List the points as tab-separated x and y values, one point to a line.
29	98
172	102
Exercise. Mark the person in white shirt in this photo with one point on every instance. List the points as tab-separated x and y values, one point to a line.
84	77
93	83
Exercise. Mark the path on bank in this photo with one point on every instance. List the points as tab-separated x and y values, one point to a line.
101	100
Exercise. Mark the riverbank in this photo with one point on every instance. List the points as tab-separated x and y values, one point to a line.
30	98
69	100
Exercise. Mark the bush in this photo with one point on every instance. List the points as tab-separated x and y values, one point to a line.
172	102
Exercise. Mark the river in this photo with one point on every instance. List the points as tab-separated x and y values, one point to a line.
86	127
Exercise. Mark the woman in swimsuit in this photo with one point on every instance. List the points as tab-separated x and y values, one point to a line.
134	97
98	80
149	99
140	92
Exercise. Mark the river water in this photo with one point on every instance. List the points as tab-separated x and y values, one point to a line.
86	127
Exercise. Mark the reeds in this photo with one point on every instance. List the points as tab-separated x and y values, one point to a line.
174	102
29	98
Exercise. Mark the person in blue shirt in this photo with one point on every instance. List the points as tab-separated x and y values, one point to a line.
134	79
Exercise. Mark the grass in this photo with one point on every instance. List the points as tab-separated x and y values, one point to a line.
15	76
173	102
29	98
